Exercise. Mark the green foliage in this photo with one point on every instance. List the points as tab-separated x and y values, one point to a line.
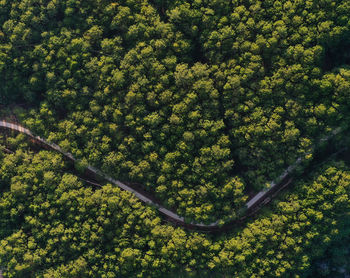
201	102
55	226
198	101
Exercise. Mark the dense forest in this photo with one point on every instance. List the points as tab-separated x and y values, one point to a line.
54	225
202	103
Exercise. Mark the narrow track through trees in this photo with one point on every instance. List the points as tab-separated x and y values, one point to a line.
252	206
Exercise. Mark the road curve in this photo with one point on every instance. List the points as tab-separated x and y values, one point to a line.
260	198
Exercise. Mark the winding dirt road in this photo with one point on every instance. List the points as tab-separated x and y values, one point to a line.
252	205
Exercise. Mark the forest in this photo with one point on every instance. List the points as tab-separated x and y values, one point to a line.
202	104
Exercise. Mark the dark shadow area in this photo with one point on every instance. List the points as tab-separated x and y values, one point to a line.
198	53
337	54
161	6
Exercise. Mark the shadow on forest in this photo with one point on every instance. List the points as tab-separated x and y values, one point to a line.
337	55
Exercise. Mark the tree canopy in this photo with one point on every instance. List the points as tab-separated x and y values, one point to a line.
202	103
199	102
